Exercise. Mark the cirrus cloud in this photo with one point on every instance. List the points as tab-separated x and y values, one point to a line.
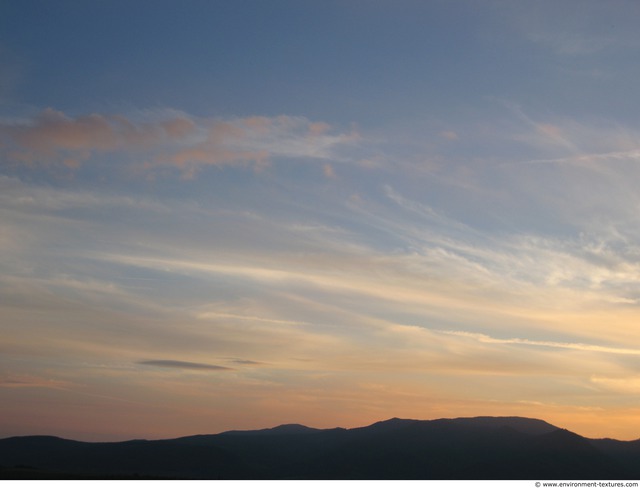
168	363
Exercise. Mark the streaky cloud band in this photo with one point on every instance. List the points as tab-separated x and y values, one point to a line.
168	363
527	342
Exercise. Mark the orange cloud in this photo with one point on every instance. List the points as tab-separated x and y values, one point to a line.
318	128
449	135
222	145
29	381
206	154
178	127
256	140
53	138
54	130
329	172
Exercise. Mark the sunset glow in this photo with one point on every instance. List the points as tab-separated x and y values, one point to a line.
222	215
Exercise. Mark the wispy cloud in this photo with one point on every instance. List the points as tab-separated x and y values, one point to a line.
314	294
249	318
169	139
579	160
248	362
628	385
172	364
578	141
528	342
595	29
30	381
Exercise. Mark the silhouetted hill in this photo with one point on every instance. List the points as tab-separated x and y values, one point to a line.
465	448
627	453
521	424
281	429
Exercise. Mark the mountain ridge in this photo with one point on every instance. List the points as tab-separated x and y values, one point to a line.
448	448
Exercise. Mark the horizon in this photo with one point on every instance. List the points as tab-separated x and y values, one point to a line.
273	427
225	215
260	429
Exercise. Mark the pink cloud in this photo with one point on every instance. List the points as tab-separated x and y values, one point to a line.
29	381
255	140
178	127
53	129
210	154
318	128
53	138
449	135
329	171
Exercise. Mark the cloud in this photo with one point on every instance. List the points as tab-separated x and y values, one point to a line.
329	172
449	135
168	363
249	318
593	30
228	279
54	139
625	385
20	198
528	342
438	269
460	249
246	362
588	160
570	140
258	139
30	381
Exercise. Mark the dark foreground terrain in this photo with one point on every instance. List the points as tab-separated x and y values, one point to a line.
471	448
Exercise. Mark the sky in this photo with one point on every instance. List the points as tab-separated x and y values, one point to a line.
235	214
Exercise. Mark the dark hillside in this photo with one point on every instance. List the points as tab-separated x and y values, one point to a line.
466	448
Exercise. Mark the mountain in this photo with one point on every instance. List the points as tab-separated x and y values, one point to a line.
280	429
625	453
463	448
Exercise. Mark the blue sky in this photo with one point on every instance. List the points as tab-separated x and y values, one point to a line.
234	214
